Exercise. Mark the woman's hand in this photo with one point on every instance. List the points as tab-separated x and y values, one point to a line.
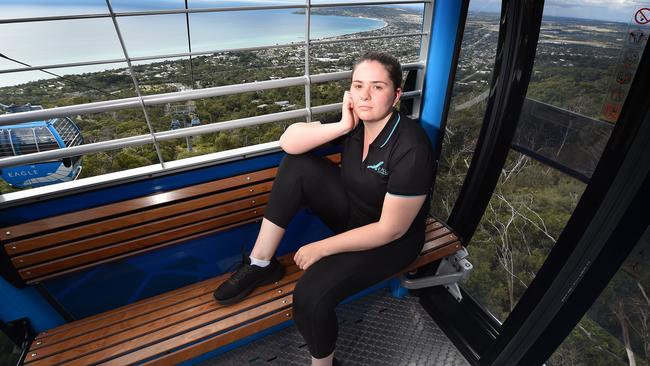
349	119
308	255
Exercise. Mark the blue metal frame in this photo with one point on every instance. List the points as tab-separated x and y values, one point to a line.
441	65
446	35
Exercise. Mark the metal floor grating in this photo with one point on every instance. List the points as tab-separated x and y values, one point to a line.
375	330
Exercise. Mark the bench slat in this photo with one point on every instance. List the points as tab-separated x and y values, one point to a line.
136	204
434	255
147	241
126	221
438	242
435	234
221	340
136	231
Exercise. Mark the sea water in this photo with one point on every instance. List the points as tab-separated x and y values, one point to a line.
82	40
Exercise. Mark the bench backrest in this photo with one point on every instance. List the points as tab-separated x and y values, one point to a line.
54	246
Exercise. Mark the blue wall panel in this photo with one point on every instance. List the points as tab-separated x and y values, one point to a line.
27	303
446	18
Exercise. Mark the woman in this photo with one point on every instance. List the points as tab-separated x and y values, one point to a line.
376	203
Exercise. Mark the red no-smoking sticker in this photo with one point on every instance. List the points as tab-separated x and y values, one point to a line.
642	16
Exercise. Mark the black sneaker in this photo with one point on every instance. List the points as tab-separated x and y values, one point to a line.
246	279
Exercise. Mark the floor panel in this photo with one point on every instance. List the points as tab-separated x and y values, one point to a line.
375	330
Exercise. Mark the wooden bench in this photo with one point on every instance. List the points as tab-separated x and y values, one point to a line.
177	325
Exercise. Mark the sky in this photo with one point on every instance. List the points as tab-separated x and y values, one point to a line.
609	10
612	10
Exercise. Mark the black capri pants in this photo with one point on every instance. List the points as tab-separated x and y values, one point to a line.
316	182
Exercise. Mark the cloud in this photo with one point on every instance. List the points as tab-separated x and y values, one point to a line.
589	4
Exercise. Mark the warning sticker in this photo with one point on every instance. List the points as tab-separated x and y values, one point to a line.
642	16
628	61
611	111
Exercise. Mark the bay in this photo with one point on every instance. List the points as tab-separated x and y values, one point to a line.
56	42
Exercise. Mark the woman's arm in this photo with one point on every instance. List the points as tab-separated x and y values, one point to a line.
397	215
302	137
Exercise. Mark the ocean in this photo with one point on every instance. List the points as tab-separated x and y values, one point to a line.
54	42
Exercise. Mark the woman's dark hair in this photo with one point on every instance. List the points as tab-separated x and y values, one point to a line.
389	62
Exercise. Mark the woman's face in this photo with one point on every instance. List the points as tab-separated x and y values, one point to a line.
372	91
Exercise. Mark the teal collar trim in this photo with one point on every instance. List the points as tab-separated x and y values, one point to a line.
391	132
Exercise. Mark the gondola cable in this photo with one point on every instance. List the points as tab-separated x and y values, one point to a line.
56	75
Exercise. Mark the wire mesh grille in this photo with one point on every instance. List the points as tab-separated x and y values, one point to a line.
377	330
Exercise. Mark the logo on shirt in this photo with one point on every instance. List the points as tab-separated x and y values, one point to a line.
377	168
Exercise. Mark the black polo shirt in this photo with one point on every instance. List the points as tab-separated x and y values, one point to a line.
399	161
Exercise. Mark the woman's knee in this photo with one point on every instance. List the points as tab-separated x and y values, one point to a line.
313	313
305	301
309	301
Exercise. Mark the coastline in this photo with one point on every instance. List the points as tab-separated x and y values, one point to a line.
393	20
383	21
345	35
